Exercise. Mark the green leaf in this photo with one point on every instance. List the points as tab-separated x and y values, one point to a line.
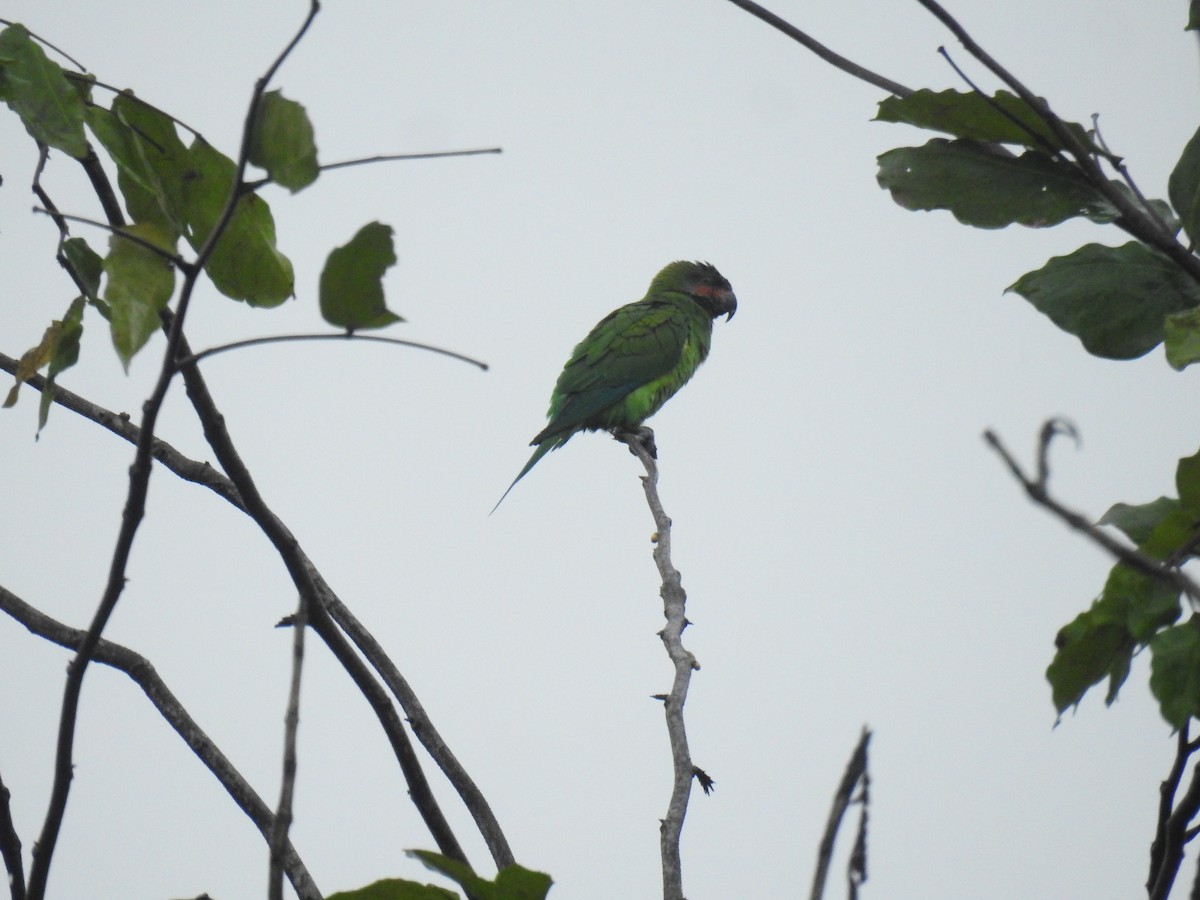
1159	528
245	264
65	354
512	882
1175	672
151	159
155	142
1003	118
139	285
987	186
516	883
351	288
282	142
1138	522
1100	642
1089	650
1171	533
1183	187
1187	483
1193	23
1114	299
36	89
395	889
88	268
1181	338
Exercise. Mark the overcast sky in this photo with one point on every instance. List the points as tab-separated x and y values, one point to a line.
852	551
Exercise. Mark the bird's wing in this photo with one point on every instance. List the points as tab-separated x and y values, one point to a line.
629	348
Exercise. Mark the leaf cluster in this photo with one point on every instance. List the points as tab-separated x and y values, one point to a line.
1004	165
1009	160
187	208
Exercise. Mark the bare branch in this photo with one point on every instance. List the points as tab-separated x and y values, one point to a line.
10	847
1174	838
120	424
299	568
135	504
641	445
1131	556
855	774
143	673
205	475
1166	801
840	62
287	790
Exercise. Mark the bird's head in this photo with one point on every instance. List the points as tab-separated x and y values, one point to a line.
703	283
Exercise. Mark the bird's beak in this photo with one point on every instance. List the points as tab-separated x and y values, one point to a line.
732	306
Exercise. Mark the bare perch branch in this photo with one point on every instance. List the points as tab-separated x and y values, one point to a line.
855	774
840	62
674	610
1038	493
143	673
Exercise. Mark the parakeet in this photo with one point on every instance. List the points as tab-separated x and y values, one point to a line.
636	358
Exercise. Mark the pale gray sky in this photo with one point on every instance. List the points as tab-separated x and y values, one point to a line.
852	551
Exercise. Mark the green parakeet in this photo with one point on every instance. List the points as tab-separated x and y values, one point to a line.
636	358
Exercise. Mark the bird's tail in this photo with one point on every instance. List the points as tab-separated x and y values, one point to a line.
542	449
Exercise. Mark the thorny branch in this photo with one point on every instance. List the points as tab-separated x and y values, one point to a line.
674	610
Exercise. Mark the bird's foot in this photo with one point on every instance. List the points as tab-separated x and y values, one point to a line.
644	436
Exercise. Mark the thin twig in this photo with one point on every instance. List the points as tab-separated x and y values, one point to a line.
1118	163
1039	139
855	773
396	157
42	40
674	610
340	336
840	62
1131	556
1166	801
1174	838
287	789
173	258
10	846
143	673
134	98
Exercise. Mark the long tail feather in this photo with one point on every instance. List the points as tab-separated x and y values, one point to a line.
542	449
